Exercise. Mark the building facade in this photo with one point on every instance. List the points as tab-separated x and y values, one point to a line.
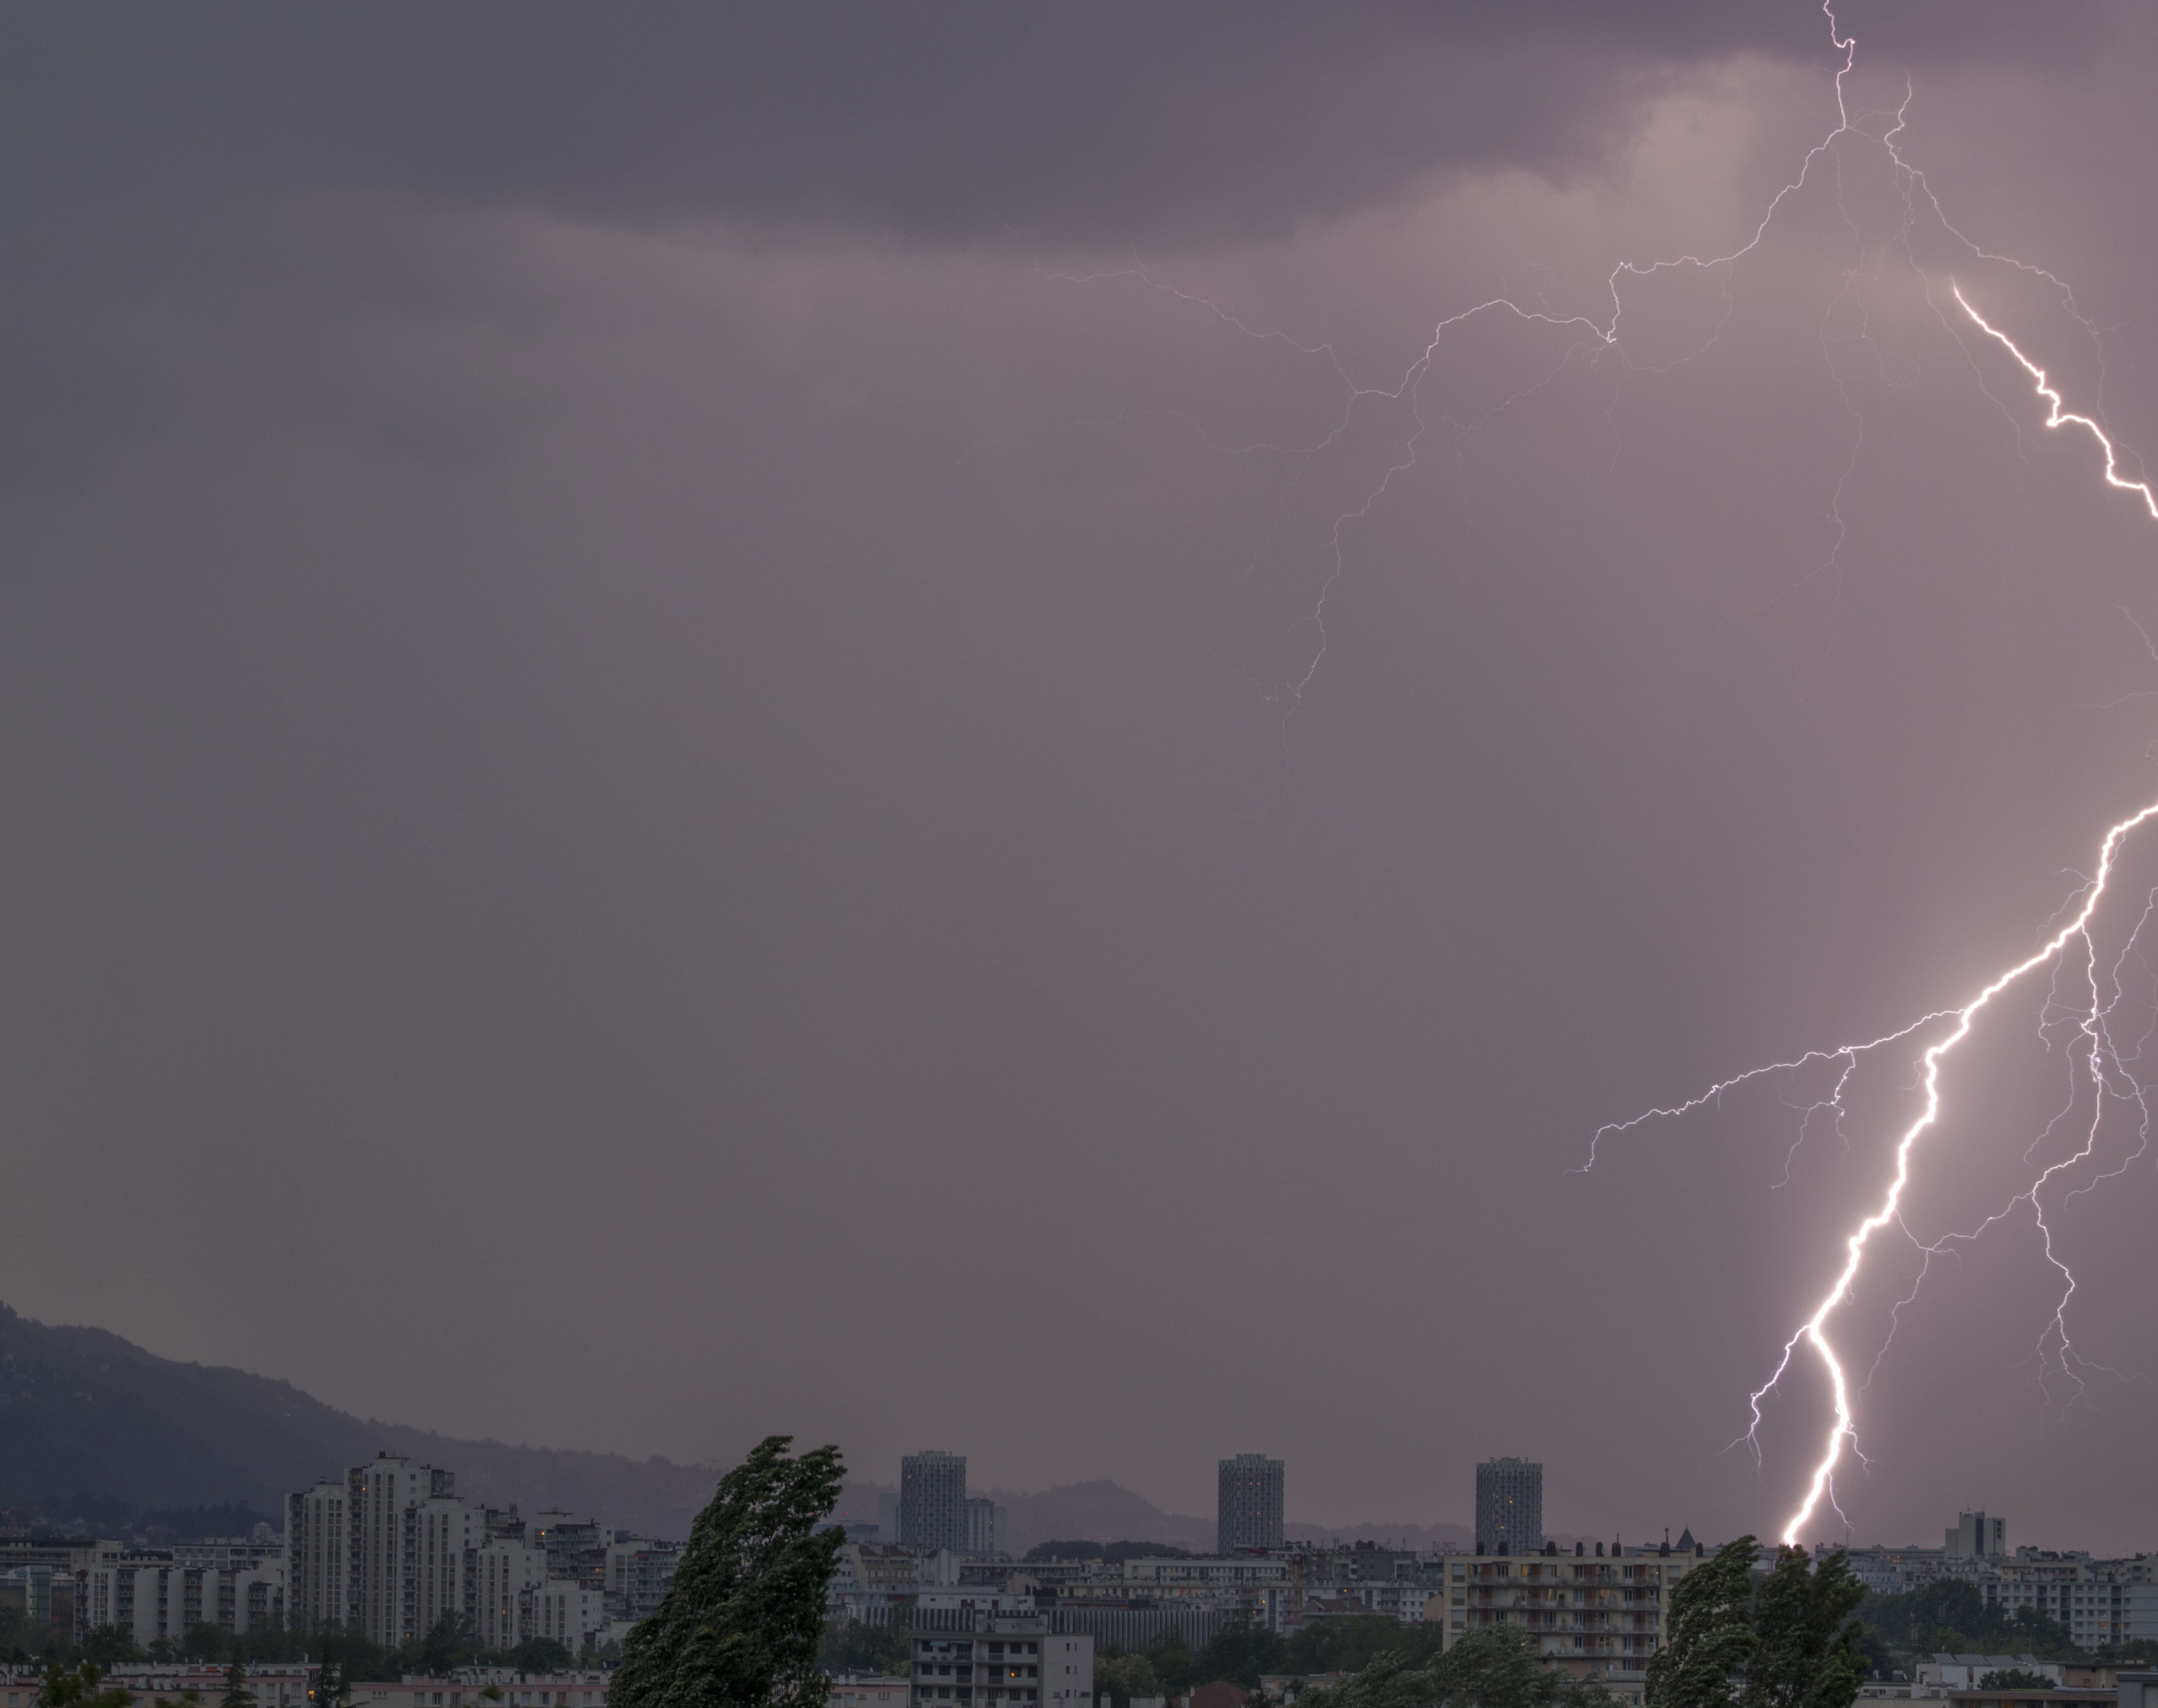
383	1502
1977	1537
986	1526
1510	1507
1247	1503
155	1598
1592	1615
933	1501
318	1556
1010	1661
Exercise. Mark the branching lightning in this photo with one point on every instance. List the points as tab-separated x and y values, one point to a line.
2093	1052
2100	1058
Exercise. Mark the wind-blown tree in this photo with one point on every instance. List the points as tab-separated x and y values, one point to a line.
740	1624
1710	1637
1809	1655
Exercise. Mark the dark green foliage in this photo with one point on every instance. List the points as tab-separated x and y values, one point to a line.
541	1654
1239	1654
849	1646
1120	1677
1951	1614
1351	1644
740	1624
78	1688
109	1645
1809	1655
1165	1668
236	1693
211	1645
1494	1666
2014	1678
1710	1637
1172	1660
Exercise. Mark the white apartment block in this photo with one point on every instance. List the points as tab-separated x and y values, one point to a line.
2101	1601
393	1550
384	1503
571	1614
1592	1615
151	1596
318	1555
504	1573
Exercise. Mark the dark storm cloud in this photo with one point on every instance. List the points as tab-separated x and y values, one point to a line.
1081	121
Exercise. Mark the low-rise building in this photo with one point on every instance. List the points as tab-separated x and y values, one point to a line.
868	1690
276	1686
470	1687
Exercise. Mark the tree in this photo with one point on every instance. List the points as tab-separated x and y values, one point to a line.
1350	1645
333	1683
1120	1677
1494	1666
440	1647
109	1645
1711	1633
541	1654
740	1623
1809	1655
236	1693
2014	1678
1239	1654
1171	1658
61	1688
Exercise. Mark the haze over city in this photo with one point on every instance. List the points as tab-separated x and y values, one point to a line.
999	730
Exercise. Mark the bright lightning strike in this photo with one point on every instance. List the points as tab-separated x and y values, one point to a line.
1845	1428
2096	1054
2061	416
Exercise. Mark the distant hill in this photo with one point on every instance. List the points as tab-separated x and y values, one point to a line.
91	1423
84	1413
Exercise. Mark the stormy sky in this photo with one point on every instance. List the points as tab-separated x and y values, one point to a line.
777	720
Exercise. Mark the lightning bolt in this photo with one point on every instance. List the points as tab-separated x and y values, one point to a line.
1812	1331
2059	415
2093	1053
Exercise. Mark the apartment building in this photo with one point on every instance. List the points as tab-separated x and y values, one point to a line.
1247	1503
1591	1615
1510	1507
153	1598
318	1555
1007	1659
933	1500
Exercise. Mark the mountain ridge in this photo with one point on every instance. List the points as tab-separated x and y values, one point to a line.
89	1420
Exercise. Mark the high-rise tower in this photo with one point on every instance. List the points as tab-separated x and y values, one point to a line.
1249	1507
